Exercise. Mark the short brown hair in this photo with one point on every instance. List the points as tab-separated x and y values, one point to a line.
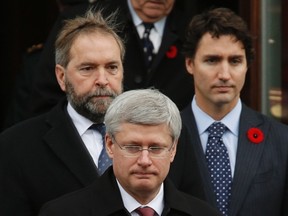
217	22
91	22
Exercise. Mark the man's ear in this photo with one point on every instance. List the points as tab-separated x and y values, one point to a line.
109	146
189	65
173	151
60	75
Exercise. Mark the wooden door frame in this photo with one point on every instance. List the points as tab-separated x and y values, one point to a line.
251	93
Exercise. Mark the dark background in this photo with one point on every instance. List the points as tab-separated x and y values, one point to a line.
23	24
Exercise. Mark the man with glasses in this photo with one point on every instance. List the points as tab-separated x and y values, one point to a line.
141	138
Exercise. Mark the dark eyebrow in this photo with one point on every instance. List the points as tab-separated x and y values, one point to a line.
212	56
237	56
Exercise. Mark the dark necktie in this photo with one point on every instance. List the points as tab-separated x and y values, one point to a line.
104	161
147	44
145	211
219	166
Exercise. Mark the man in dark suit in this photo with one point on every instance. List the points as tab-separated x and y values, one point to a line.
56	153
141	139
167	71
218	50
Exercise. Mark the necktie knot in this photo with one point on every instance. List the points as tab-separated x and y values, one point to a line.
217	129
148	27
100	128
145	211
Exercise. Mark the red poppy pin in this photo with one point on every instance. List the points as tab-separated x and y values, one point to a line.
172	52
255	135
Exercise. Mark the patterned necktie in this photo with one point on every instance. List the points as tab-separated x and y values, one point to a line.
147	43
104	161
219	166
145	211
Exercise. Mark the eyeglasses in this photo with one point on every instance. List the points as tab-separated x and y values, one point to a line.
135	151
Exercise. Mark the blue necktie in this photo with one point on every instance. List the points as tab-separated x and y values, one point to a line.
219	166
147	44
104	161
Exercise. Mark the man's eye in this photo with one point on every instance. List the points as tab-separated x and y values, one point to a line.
113	69
236	61
211	60
86	69
156	149
132	149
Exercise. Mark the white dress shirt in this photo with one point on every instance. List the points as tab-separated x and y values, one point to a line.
131	204
156	33
230	138
91	138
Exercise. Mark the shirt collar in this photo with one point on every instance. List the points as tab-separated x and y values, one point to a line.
81	123
158	26
231	120
136	19
131	204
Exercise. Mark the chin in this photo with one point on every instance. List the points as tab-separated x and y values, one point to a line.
145	186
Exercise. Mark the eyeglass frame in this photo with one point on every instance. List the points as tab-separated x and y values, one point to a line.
124	148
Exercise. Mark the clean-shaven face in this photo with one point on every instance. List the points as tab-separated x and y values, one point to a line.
219	69
142	175
152	10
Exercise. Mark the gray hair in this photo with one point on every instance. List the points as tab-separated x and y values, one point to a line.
144	107
89	23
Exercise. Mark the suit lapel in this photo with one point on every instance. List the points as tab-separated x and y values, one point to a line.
106	197
168	38
64	141
247	159
194	139
170	35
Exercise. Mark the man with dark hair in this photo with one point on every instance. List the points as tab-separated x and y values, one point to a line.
237	156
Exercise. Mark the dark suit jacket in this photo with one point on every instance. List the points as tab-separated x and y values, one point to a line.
260	179
41	159
18	109
103	198
167	73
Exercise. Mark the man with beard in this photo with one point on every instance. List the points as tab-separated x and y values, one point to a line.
45	157
166	71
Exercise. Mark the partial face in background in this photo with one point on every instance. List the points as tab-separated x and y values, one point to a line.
152	10
93	77
219	69
141	175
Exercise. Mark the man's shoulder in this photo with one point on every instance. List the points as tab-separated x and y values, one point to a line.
25	125
199	206
246	111
179	201
34	126
71	202
87	199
